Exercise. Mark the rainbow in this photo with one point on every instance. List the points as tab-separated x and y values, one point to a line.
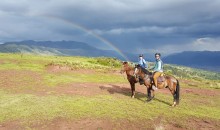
86	30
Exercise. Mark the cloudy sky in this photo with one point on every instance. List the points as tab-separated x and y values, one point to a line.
137	26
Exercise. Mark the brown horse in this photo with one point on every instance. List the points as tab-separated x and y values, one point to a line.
163	82
130	76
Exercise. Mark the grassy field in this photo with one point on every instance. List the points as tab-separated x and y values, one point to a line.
39	92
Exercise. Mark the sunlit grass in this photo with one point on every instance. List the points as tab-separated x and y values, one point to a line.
9	65
30	107
39	63
64	78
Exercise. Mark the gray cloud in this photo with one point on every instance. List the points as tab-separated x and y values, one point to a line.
136	25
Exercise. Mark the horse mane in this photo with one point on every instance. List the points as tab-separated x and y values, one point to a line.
144	70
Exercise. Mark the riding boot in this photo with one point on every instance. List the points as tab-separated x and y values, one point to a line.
154	87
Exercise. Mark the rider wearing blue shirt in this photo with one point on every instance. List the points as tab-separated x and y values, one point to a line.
142	62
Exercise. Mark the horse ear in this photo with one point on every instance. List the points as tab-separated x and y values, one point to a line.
125	62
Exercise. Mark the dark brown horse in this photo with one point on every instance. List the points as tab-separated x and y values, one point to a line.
163	82
130	76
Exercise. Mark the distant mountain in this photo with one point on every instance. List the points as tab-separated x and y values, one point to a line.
56	48
54	44
209	60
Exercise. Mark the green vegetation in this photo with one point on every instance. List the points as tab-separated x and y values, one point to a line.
190	73
112	62
99	63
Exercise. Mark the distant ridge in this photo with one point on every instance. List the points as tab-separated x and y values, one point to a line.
56	48
54	44
209	60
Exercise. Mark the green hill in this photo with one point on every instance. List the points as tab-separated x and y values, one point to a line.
68	48
14	48
190	73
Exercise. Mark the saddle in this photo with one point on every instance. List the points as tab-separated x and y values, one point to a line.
161	78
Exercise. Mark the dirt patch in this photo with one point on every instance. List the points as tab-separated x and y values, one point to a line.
57	68
196	124
12	125
84	124
2	61
92	89
109	124
200	91
18	81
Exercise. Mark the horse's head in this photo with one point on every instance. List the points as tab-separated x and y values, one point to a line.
124	66
138	70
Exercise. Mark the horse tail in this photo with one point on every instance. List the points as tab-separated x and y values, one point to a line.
177	92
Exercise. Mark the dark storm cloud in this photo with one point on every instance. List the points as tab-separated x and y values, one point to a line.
141	25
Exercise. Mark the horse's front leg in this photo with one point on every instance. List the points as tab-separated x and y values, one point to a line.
150	94
132	89
149	97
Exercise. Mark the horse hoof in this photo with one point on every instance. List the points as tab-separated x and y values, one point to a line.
174	104
132	96
148	100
